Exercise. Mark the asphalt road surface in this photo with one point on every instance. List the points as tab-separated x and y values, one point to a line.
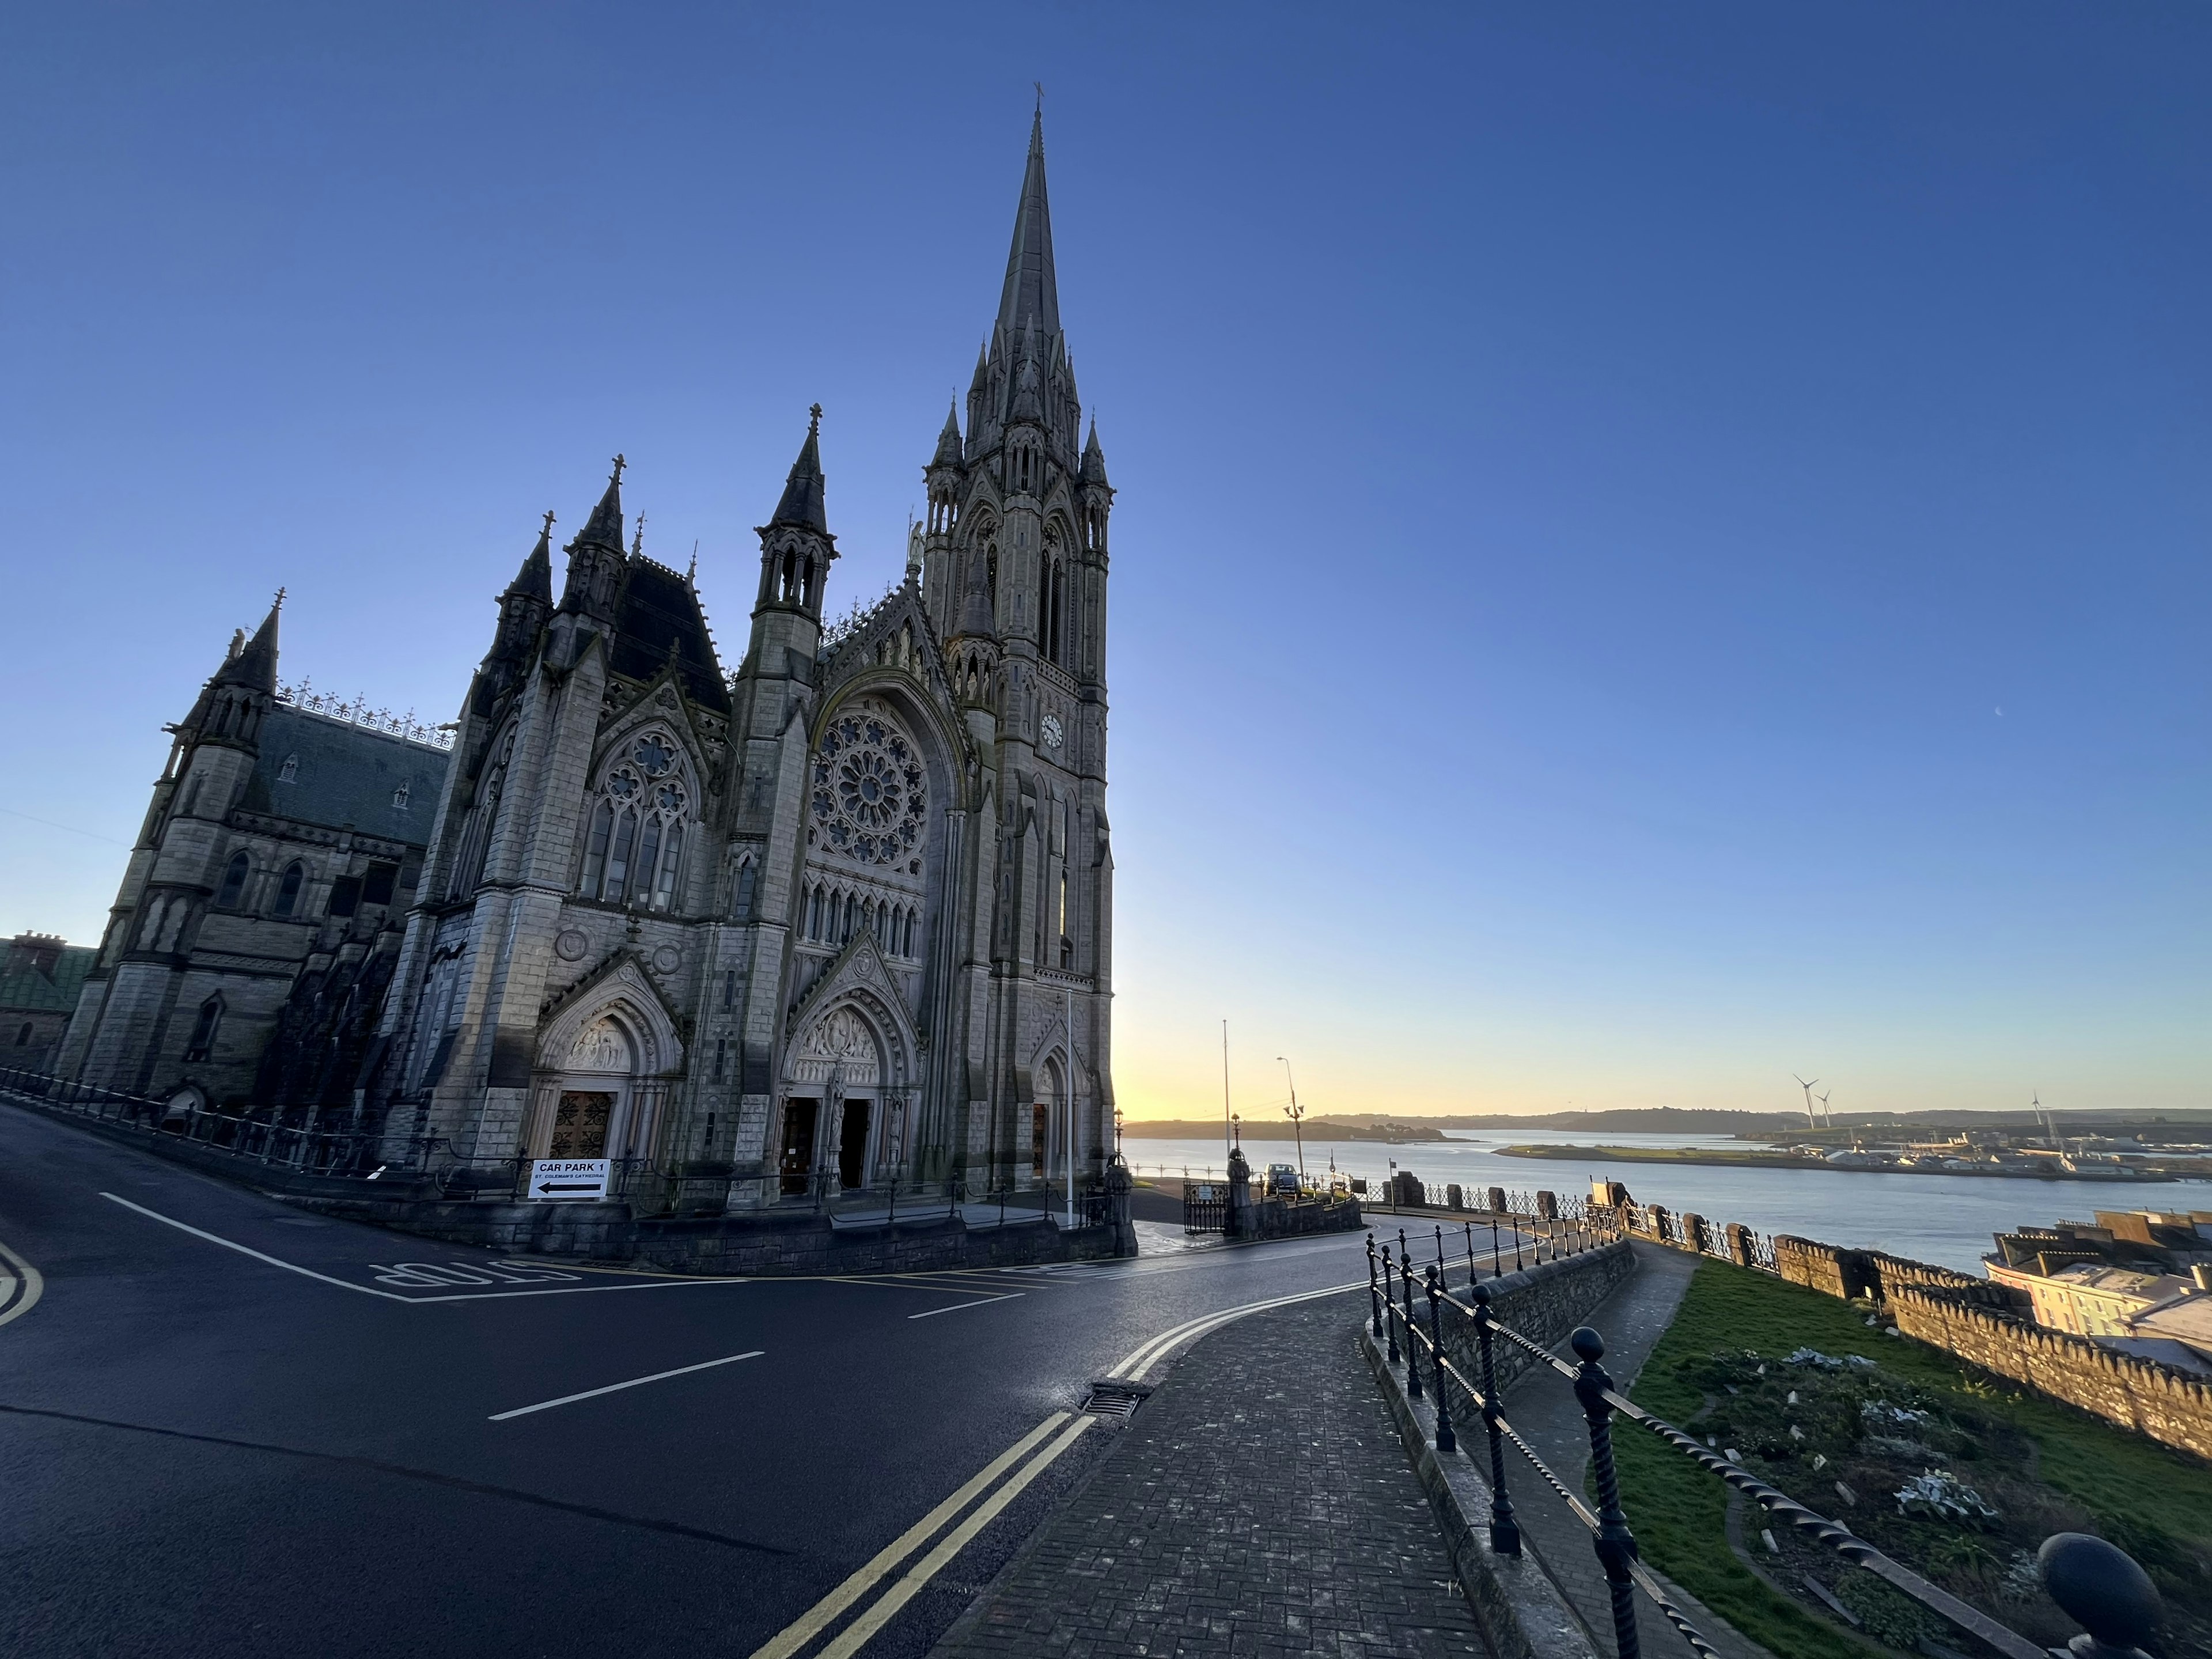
230	1428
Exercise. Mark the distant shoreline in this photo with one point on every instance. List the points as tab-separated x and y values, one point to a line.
1186	1129
1750	1159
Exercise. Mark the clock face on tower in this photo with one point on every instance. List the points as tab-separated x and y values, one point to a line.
1051	732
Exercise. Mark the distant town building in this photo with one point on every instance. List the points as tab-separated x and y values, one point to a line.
40	978
2139	1281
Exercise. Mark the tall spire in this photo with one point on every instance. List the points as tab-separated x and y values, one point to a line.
1031	294
948	441
802	502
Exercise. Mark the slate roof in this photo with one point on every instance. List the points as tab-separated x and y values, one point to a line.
24	989
659	608
346	777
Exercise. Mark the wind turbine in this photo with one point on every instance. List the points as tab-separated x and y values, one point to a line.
1810	1122
1827	1117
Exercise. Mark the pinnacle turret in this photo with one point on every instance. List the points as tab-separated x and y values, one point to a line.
1094	459
604	527
948	441
535	579
802	502
254	665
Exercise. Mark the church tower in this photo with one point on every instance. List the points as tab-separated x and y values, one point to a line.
1016	564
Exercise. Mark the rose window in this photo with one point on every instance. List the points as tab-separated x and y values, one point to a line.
868	794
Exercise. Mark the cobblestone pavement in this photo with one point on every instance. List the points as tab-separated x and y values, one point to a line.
1259	1503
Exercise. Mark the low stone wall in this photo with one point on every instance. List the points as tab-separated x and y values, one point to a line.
2137	1393
740	1245
1845	1273
1825	1268
1271	1218
1543	1302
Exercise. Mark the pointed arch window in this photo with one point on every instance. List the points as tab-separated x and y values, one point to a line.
634	841
290	771
287	890
201	1042
233	882
741	909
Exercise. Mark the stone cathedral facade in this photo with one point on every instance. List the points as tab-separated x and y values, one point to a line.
838	917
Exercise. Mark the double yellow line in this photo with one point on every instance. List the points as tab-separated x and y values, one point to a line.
832	1607
1061	1429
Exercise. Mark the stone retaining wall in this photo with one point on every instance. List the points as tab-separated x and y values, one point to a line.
1849	1273
2137	1393
1543	1302
744	1246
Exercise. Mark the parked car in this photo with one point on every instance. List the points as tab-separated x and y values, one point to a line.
1283	1180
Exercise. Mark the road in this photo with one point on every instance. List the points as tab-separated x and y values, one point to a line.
230	1428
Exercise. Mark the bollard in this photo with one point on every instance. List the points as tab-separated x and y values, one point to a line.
2102	1589
1504	1530
1615	1544
1412	1346
1389	1307
1373	1298
1446	1440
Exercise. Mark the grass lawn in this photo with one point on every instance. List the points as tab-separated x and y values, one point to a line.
2045	1467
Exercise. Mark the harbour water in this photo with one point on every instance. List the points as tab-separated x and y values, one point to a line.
1946	1219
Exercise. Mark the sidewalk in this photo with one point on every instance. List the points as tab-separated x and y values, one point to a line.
1260	1503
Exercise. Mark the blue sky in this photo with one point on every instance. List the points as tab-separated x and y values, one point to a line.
1589	479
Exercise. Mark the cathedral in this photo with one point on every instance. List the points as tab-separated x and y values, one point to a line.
838	919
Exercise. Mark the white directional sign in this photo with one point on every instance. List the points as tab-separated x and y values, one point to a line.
568	1177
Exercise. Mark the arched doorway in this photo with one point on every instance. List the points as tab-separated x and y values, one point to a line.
842	1103
604	1066
592	1090
1049	1116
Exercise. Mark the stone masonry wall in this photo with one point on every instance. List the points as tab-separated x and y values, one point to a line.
1825	1268
720	1245
2136	1393
1543	1302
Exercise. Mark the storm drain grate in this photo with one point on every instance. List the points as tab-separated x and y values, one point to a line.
1110	1397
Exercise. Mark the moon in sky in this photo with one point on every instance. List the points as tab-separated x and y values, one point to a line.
2000	713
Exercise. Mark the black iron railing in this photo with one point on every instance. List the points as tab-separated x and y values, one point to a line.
340	1153
2095	1583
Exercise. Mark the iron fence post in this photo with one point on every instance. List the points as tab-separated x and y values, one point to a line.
1446	1440
1469	1225
1374	1297
1412	1346
1497	1252
1504	1530
2102	1589
1389	1307
1615	1544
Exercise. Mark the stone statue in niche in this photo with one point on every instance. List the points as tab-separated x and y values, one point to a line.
600	1046
842	1036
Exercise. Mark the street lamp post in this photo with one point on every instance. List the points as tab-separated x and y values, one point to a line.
1296	1113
